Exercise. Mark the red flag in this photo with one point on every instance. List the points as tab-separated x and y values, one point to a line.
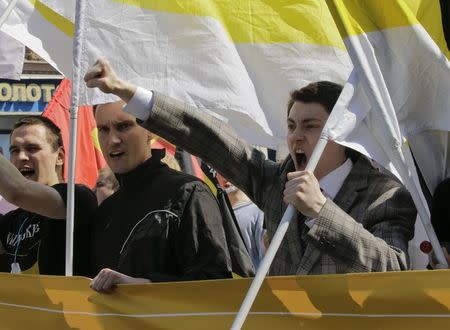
89	157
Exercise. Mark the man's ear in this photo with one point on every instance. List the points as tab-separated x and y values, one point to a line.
61	156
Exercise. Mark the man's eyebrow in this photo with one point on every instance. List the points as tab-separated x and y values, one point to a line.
28	145
128	121
310	120
32	145
305	121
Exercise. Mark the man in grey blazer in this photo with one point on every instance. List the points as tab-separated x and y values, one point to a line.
352	216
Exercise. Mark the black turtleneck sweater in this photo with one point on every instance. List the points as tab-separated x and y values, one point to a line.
162	225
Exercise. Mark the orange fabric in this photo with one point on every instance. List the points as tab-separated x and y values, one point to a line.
89	157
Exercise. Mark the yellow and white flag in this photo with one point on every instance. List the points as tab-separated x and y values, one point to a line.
238	59
398	90
44	31
397	63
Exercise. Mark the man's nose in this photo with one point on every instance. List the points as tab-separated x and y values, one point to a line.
22	155
114	137
299	134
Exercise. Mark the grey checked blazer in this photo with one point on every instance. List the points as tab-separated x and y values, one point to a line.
366	228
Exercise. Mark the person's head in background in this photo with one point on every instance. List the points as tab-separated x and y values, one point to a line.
106	185
171	161
235	195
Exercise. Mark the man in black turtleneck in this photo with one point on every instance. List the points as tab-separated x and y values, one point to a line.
161	225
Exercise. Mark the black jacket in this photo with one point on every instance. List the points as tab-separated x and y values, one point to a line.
163	225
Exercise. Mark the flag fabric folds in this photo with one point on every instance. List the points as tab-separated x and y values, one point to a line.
239	61
11	57
89	157
404	59
43	30
398	90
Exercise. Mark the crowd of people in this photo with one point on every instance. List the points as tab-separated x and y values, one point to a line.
148	222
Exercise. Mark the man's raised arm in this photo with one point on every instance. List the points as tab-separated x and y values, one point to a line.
29	195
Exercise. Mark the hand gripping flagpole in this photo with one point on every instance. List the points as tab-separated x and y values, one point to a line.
76	79
8	11
276	241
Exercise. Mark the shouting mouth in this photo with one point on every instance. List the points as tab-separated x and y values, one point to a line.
300	159
27	172
116	154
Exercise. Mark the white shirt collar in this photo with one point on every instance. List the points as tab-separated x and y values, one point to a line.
332	182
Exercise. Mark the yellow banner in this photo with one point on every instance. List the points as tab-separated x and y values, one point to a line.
396	300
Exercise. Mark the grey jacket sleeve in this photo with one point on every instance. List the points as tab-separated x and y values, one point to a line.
379	243
215	142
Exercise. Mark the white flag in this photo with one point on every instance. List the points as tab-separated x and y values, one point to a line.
12	55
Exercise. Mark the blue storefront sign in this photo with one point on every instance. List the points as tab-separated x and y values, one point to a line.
26	95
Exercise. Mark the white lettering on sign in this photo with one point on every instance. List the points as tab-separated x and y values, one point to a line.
19	92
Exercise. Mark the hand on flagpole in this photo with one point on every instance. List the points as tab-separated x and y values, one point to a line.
302	190
102	76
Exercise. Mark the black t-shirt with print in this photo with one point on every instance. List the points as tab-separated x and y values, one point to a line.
37	243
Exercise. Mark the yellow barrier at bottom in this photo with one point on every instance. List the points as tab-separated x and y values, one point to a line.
395	300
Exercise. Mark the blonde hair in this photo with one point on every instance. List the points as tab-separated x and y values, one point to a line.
109	177
171	162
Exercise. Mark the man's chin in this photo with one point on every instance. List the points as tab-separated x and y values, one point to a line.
117	170
32	178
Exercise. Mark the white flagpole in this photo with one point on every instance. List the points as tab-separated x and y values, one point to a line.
7	12
76	80
276	241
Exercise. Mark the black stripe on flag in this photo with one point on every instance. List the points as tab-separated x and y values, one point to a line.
445	10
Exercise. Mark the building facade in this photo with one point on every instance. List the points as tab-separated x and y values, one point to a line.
28	96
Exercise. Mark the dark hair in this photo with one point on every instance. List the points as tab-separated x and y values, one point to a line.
440	211
54	136
326	93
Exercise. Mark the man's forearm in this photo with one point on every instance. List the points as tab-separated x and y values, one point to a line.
124	90
29	195
12	182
